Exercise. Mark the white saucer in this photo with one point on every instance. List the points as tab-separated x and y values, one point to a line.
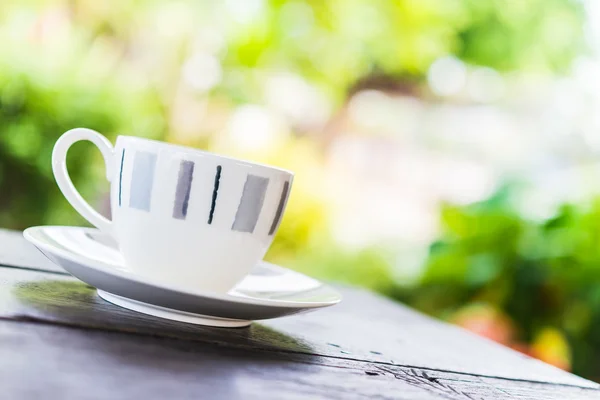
269	291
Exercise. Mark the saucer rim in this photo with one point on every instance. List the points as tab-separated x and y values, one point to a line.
29	235
170	313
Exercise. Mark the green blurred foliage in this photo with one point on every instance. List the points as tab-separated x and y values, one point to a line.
46	88
33	115
542	275
513	35
338	43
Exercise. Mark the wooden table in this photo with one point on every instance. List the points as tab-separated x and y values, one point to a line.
59	340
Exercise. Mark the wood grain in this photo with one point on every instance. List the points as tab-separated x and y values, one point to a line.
366	346
53	362
364	327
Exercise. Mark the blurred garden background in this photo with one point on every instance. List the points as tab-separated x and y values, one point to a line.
446	151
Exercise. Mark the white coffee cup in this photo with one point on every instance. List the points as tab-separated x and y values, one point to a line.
182	216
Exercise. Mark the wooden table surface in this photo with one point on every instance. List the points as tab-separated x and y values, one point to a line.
59	340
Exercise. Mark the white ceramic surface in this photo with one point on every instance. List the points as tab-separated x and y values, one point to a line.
182	216
269	291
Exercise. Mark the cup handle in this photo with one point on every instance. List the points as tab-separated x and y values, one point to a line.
59	168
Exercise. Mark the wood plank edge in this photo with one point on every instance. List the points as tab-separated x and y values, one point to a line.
332	361
49	271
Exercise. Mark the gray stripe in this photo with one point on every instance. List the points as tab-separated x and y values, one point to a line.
142	179
184	187
121	175
251	203
280	207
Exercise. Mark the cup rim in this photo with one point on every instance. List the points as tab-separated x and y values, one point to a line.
193	150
